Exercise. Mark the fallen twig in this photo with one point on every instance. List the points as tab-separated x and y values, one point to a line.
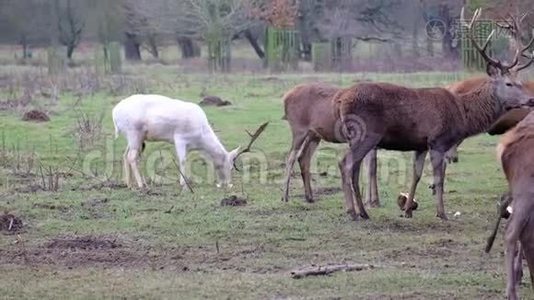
328	269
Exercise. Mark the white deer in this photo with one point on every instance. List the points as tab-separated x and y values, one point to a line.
143	118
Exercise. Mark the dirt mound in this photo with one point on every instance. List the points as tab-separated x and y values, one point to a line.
84	243
10	223
214	101
35	116
233	201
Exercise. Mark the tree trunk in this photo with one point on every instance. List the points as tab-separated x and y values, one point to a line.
306	51
70	50
188	47
132	47
254	43
446	42
153	46
25	49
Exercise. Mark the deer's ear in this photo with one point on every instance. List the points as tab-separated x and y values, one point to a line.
234	153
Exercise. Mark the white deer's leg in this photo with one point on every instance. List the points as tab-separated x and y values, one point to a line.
181	152
132	159
132	156
126	169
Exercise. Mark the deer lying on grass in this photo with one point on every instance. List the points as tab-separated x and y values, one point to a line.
143	118
309	111
515	153
426	119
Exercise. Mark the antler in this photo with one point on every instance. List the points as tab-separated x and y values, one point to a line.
253	138
514	26
482	50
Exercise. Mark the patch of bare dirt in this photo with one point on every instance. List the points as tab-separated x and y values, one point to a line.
214	101
50	206
84	243
35	116
233	201
83	251
10	224
112	251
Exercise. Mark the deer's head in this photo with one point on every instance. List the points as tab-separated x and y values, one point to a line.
507	89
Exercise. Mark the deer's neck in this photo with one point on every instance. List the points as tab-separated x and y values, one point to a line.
212	146
481	109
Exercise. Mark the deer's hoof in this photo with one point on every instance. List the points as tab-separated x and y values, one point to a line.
442	216
375	203
364	215
353	215
408	213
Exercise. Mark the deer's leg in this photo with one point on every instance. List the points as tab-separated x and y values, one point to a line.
438	169
418	165
134	146
346	185
527	248
181	152
299	142
126	175
350	172
304	163
511	240
371	193
133	160
518	264
452	154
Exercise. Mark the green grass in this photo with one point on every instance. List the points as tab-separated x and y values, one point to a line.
175	244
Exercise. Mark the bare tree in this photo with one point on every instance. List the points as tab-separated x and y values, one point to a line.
25	23
363	20
70	23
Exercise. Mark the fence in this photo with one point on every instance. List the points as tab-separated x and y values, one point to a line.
281	49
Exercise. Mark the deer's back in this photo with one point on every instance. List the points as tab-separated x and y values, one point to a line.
408	119
309	107
159	117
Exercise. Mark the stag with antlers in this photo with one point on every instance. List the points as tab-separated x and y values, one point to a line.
394	117
143	118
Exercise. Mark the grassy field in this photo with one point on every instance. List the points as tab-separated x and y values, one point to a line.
94	238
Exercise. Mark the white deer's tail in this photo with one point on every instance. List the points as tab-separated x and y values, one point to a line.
116	131
116	127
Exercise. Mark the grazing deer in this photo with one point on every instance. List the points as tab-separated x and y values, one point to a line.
309	111
517	159
426	119
143	118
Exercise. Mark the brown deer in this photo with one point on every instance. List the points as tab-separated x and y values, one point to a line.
309	111
426	119
515	153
